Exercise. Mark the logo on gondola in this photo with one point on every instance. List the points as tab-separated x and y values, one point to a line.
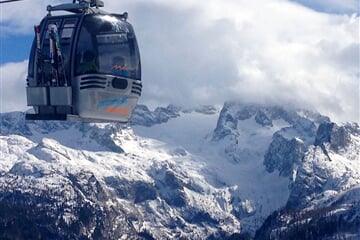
111	105
122	111
119	69
112	102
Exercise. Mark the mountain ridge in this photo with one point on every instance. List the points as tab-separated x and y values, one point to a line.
185	173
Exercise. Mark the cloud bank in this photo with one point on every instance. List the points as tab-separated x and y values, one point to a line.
264	51
12	86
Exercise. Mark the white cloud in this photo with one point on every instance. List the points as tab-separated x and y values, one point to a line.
267	51
20	17
12	87
263	51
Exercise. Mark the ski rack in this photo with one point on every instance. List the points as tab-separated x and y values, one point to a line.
82	6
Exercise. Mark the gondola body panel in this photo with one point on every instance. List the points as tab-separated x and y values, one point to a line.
97	78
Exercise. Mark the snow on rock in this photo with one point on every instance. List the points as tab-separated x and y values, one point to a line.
331	165
87	180
324	198
144	117
174	173
284	155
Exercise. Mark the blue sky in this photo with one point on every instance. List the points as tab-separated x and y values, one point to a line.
15	48
332	6
302	53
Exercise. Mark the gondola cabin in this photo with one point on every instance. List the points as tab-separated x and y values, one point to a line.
84	65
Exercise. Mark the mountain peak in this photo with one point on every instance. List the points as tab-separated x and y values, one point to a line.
233	113
191	173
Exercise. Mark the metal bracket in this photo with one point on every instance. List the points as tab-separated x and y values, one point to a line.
76	7
37	117
70	7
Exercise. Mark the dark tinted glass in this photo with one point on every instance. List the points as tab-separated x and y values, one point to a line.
46	70
66	28
107	45
32	59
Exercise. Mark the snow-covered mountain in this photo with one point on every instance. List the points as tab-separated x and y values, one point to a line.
177	173
324	201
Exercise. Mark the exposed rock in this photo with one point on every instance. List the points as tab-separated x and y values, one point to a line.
284	155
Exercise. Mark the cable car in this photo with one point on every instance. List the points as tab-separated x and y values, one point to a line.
84	65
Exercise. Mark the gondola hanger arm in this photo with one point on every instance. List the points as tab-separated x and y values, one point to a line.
8	1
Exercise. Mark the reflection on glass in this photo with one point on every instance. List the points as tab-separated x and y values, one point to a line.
112	44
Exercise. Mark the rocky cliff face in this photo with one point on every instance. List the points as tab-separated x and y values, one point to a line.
324	199
170	175
319	158
284	155
143	116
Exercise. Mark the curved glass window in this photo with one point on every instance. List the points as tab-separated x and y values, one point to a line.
32	59
107	45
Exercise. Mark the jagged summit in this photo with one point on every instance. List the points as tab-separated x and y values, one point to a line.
144	117
234	113
177	173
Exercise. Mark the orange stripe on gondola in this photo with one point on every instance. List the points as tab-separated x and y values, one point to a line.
122	111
